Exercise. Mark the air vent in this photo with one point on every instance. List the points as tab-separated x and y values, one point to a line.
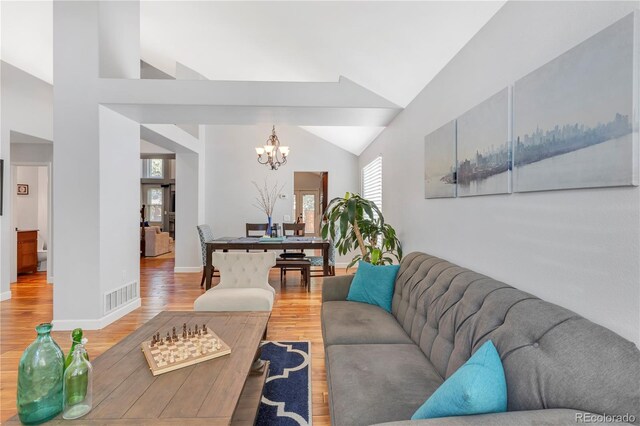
120	297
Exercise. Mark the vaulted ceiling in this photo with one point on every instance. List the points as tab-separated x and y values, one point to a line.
391	48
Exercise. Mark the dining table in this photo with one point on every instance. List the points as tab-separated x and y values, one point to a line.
256	243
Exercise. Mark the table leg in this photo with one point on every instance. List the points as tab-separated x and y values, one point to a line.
208	269
307	273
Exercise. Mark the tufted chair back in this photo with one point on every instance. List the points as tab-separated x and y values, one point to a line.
205	234
244	270
552	357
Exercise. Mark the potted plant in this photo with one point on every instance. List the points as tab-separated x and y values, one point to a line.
357	223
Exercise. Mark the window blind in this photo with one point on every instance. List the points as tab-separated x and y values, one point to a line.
372	182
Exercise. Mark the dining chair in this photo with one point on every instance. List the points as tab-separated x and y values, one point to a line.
319	261
256	229
296	230
244	283
205	234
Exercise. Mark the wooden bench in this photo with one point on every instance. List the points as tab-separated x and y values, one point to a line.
302	265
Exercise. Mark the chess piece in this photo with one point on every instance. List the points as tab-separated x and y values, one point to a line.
184	334
168	338
204	328
174	336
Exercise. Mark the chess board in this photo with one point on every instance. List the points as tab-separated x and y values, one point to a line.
183	352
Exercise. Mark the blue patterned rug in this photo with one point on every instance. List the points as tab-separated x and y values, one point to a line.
286	399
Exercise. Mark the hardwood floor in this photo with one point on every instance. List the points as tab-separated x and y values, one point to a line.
295	316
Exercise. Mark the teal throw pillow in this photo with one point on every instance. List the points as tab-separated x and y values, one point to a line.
373	284
478	387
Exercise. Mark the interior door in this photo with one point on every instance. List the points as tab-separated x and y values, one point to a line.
308	207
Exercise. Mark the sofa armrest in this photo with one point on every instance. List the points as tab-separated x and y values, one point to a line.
556	416
336	288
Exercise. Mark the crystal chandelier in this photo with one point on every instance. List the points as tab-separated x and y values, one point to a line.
276	155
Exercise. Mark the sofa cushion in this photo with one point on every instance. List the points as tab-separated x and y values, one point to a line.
478	387
377	383
373	284
346	323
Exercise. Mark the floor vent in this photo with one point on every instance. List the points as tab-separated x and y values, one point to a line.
120	297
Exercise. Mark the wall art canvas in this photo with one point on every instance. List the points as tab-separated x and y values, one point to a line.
440	162
574	123
484	159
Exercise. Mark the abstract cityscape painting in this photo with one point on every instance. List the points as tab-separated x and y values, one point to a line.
484	160
440	162
573	117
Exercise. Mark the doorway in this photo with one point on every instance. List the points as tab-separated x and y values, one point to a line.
31	218
310	200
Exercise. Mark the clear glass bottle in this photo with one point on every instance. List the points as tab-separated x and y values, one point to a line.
40	379
78	385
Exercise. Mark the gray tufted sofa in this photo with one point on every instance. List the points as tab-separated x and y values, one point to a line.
381	367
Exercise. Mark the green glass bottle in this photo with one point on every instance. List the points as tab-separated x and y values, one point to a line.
76	339
40	377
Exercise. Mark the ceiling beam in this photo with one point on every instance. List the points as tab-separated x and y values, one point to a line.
342	103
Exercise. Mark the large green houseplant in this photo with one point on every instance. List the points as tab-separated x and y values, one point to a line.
356	223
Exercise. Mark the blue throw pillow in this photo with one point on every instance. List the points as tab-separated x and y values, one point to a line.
373	284
478	387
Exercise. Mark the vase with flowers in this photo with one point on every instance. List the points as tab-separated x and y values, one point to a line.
266	200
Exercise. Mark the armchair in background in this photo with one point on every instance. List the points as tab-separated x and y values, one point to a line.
156	242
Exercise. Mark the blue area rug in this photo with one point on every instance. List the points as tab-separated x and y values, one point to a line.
286	399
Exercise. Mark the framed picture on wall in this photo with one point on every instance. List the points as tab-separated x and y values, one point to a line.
574	120
484	149
23	189
440	162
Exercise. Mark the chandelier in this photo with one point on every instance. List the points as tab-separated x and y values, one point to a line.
276	155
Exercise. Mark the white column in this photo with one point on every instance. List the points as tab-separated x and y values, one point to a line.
96	173
188	257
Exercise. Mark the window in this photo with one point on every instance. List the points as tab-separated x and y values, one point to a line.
153	168
155	207
372	182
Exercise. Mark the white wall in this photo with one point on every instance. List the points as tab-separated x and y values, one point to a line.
96	216
26	106
579	248
26	206
31	209
43	207
187	250
119	204
231	165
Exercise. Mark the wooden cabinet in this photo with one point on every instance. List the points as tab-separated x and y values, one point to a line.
27	251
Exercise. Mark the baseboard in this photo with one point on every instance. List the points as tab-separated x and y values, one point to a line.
187	269
5	296
100	323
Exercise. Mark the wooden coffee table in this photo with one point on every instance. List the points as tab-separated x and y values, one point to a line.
220	391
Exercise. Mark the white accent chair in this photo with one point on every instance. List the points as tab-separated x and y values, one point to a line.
244	283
